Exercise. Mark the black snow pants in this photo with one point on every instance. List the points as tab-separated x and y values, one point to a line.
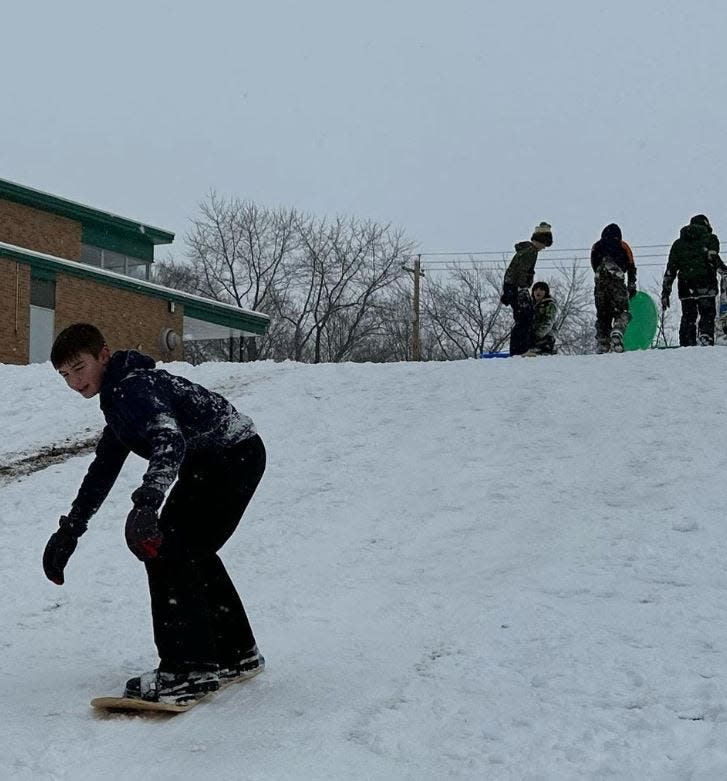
522	312
706	307
199	620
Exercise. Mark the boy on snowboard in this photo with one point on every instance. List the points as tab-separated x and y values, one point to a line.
516	286
615	283
197	441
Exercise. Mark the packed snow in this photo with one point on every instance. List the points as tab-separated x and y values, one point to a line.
504	569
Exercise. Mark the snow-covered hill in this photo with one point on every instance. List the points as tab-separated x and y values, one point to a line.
479	570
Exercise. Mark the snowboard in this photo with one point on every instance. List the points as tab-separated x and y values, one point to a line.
121	704
136	704
641	329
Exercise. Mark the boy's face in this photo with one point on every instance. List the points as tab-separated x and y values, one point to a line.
538	294
84	373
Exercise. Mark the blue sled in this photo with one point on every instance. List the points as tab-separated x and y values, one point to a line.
494	355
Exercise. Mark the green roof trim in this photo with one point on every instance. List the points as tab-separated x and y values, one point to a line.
86	215
194	306
126	244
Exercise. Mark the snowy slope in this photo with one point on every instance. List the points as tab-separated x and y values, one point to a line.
478	570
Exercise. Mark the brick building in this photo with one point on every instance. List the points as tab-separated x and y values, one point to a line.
63	262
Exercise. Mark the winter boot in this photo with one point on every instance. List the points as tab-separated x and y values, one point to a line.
617	341
172	687
250	665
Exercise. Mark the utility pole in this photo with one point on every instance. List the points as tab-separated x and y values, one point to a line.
415	334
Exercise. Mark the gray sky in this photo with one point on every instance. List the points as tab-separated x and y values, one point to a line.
463	122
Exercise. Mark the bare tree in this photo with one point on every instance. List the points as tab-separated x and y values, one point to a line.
239	252
180	276
338	283
464	313
392	340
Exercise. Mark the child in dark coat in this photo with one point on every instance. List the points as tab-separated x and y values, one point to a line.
211	456
614	285
695	262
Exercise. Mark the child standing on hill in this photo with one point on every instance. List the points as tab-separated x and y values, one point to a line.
195	439
615	283
695	262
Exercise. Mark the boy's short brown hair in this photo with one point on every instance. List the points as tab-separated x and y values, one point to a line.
74	340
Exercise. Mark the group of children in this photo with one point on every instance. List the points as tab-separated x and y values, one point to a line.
693	260
206	459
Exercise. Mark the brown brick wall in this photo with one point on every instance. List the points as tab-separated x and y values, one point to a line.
126	319
14	312
40	231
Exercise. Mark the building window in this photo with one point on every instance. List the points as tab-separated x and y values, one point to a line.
91	256
137	268
42	293
115	261
42	317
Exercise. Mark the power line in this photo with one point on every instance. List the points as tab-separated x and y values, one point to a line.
543	267
580	262
543	251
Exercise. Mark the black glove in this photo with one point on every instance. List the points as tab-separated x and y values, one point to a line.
664	301
143	535
632	290
61	545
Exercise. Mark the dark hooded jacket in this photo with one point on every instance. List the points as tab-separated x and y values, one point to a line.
694	258
160	417
612	249
521	270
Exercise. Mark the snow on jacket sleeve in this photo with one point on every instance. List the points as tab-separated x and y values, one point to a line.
167	451
101	476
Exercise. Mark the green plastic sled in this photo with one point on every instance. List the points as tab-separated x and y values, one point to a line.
641	331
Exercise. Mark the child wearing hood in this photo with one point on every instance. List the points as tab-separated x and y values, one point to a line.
212	458
613	264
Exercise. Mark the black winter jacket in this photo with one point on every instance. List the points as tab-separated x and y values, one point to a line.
521	270
694	259
160	417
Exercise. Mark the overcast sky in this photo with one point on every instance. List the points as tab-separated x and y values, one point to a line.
463	122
